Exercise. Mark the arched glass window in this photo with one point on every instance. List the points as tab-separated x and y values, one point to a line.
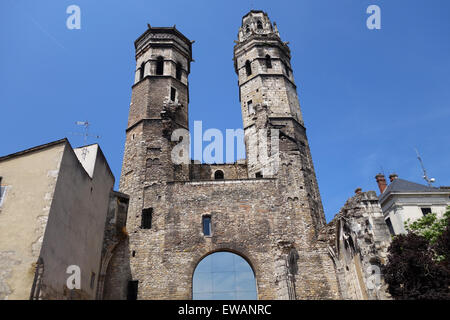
248	68
178	72
224	276
160	66
218	175
268	62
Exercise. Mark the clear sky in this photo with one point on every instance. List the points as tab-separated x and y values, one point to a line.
368	97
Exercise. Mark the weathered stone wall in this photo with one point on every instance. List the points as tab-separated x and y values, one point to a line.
206	172
359	239
249	217
115	236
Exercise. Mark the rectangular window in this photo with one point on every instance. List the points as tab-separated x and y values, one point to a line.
250	107
173	94
391	228
426	211
258	175
132	290
146	219
207	225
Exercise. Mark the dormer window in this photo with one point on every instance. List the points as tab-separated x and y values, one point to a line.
248	68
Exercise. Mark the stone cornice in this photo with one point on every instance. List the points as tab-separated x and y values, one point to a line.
269	75
152	119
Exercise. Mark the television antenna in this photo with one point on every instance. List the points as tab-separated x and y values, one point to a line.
86	135
425	175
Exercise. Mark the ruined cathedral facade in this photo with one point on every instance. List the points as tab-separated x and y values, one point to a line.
274	219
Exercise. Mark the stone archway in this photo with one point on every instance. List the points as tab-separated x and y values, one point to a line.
224	275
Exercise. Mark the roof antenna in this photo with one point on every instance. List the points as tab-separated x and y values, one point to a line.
85	135
425	175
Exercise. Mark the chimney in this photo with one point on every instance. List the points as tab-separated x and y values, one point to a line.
381	180
393	177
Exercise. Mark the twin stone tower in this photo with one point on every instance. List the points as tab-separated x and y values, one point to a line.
271	218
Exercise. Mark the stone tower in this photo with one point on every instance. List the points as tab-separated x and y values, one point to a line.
269	100
159	105
269	217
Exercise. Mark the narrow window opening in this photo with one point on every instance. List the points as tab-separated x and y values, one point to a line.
218	175
248	68
92	280
146	219
390	227
260	25
133	253
259	175
142	71
426	211
160	66
250	107
178	71
206	225
247	29
286	69
132	290
173	94
268	62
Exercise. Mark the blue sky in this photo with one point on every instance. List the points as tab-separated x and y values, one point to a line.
368	97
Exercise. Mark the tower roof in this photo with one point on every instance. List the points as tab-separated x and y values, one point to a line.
163	36
256	23
254	12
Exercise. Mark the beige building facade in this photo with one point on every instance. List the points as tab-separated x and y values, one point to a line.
54	205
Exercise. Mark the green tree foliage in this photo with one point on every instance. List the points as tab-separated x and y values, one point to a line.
429	226
419	262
